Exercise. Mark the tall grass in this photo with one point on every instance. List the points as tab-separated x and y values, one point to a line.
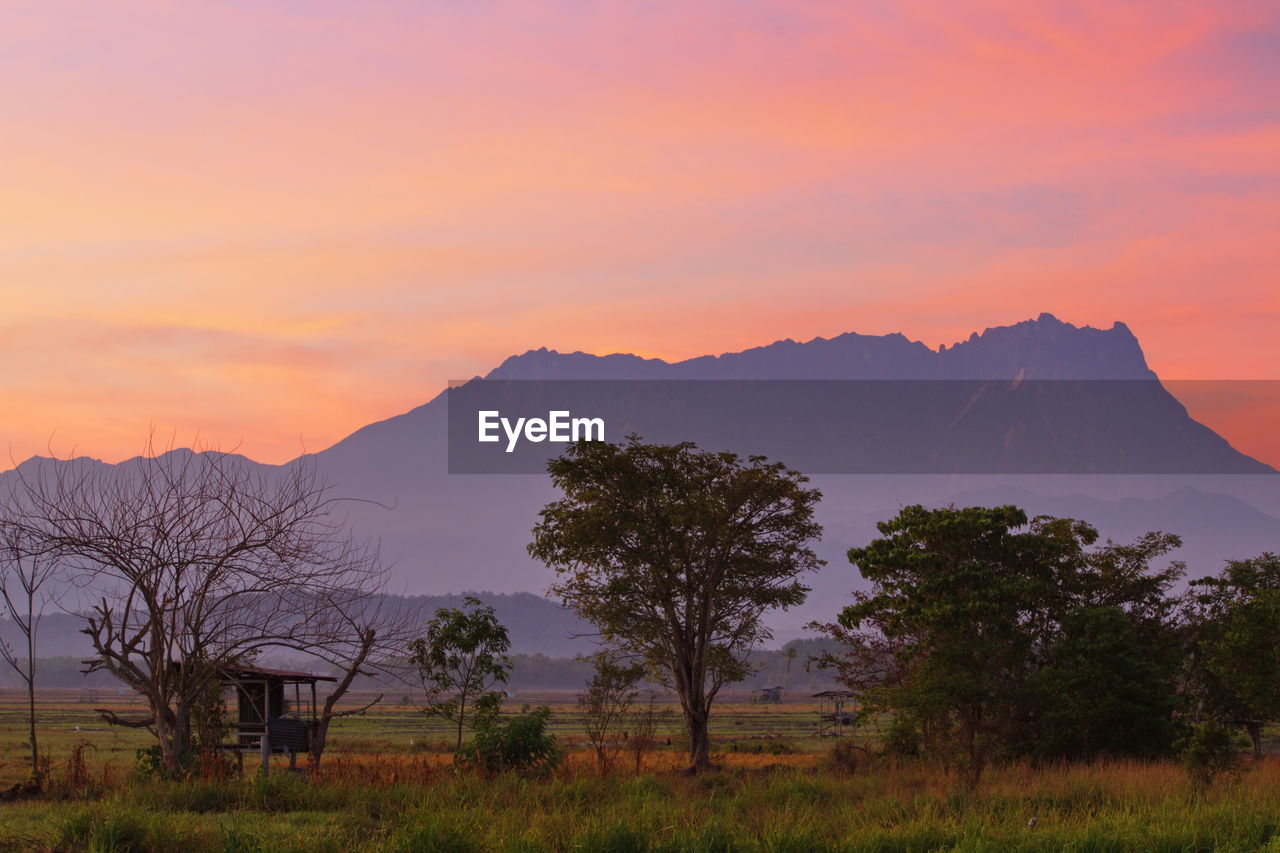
756	809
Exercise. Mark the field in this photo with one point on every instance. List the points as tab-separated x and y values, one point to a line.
387	785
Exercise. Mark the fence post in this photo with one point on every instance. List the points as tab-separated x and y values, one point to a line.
265	745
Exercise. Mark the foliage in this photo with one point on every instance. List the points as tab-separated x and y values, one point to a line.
994	635
1100	691
674	554
462	656
605	702
1235	619
520	745
1208	751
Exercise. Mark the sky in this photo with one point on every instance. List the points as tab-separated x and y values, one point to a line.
270	222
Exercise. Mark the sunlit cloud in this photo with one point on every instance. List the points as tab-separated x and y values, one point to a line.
266	221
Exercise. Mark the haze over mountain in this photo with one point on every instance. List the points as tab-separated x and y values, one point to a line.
448	533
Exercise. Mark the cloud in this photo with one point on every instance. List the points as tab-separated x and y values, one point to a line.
304	216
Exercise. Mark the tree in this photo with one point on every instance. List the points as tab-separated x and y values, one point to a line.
674	554
789	653
23	576
1235	622
196	562
459	660
1102	691
605	702
982	626
367	635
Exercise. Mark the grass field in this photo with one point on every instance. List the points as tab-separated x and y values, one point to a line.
387	785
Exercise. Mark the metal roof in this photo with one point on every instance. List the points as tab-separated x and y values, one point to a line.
284	674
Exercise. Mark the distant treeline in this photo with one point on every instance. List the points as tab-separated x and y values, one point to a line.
530	672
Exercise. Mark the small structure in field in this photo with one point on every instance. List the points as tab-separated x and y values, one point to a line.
770	695
833	716
267	720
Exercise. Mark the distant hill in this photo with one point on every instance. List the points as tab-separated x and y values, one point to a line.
535	625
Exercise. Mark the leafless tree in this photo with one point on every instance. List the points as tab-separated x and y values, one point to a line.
367	636
23	578
197	562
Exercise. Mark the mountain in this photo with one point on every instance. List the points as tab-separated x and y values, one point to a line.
447	533
1044	348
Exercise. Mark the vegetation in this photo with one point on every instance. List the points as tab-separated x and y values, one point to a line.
674	554
991	636
606	702
462	656
25	572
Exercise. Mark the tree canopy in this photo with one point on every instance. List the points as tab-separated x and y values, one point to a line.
991	633
674	554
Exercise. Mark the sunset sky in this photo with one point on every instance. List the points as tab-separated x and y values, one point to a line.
270	223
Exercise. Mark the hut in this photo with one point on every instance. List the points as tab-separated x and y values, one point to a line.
267	718
770	695
832	714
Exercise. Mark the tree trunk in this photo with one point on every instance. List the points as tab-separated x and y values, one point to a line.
319	735
31	690
1255	737
699	741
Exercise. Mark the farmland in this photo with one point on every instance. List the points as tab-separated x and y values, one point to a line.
387	784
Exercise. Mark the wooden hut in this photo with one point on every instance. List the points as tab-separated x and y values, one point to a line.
273	714
833	717
770	695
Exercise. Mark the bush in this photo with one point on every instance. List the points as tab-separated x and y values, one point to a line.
902	740
521	745
848	757
1209	750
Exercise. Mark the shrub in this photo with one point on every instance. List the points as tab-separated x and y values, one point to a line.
521	745
848	757
1209	750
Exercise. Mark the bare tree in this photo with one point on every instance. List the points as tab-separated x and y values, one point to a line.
198	562
23	576
366	636
606	701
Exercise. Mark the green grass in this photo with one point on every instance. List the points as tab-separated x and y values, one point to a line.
1117	807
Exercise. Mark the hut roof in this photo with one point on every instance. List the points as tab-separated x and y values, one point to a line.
252	672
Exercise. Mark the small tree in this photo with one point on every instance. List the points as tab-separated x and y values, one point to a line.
605	703
675	554
460	659
23	575
643	731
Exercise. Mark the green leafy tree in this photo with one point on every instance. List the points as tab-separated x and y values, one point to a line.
462	656
1103	691
1235	620
674	554
982	626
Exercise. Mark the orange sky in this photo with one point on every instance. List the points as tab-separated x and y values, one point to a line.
273	222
